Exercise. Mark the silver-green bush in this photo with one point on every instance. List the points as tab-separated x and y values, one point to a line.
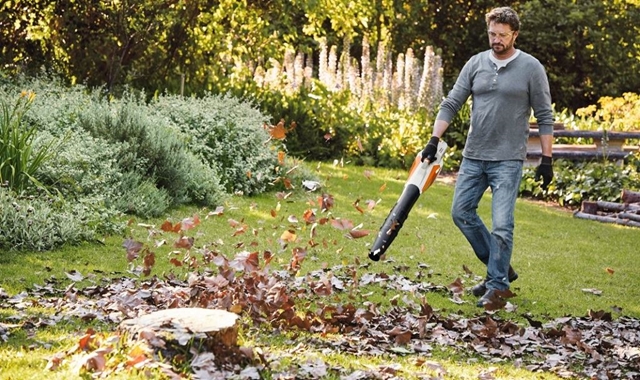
40	223
107	141
228	134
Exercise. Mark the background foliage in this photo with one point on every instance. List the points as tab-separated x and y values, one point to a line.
590	48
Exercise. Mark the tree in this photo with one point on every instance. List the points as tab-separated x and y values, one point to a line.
590	48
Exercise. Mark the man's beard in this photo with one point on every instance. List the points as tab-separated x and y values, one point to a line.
500	48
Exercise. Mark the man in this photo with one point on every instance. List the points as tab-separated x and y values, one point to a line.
505	84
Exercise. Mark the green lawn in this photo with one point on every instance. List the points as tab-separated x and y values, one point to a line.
562	262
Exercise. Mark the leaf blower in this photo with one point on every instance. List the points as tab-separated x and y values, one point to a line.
421	177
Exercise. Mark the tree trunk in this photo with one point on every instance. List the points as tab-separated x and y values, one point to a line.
630	216
604	205
606	219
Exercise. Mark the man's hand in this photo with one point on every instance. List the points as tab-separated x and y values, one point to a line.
429	151
544	171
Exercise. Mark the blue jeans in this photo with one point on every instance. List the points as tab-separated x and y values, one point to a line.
492	248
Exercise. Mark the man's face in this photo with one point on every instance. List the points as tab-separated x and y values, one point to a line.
501	38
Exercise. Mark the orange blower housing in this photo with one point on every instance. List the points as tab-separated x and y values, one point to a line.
421	177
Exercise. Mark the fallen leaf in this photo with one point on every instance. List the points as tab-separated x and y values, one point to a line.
74	276
357	234
289	236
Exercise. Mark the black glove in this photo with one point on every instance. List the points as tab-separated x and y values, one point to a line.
545	171
429	151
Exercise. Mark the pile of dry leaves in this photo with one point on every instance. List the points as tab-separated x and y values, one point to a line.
594	346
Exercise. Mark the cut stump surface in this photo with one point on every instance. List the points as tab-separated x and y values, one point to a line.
214	330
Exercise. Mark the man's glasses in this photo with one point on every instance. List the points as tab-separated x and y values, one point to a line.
502	36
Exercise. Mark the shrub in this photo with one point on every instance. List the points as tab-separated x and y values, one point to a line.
107	140
332	125
575	182
139	196
83	167
147	146
390	138
614	114
227	133
43	222
321	122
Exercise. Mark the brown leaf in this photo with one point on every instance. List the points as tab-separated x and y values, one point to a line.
168	227
297	258
600	315
133	248
278	131
283	195
189	223
148	263
571	335
245	261
240	230
234	223
356	204
85	340
327	201
55	361
309	216
456	286
184	242
401	335
342	224
267	256
356	234
393	227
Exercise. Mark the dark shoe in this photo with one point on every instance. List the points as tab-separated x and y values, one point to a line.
480	289
489	298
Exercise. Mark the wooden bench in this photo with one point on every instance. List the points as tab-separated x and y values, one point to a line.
598	145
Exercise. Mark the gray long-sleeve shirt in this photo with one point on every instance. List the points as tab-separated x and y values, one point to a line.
502	101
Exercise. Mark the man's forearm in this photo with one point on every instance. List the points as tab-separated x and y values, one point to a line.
439	127
546	145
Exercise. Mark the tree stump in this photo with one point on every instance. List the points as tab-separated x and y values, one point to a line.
589	207
629	196
175	331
